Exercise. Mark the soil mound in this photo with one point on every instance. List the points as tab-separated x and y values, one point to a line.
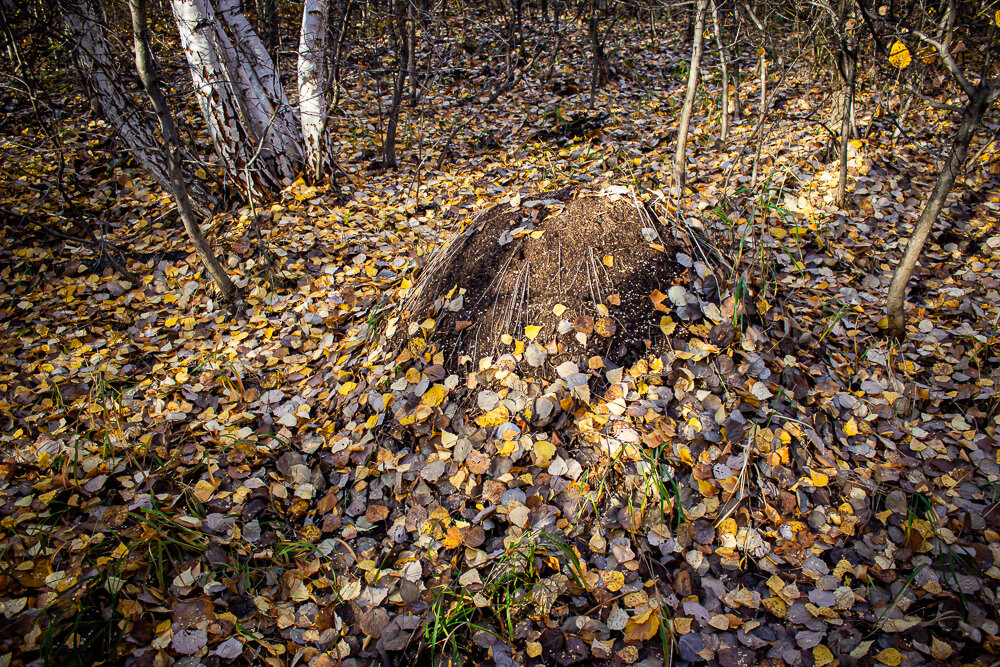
546	279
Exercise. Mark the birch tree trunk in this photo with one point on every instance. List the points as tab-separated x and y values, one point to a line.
680	159
132	127
237	110
144	64
312	83
256	64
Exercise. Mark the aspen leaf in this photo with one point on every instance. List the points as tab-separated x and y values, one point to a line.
203	490
996	18
682	625
605	327
899	55
658	297
533	649
613	580
851	427
434	396
890	656
544	451
822	656
609	261
558	309
667	325
629	654
776	606
494	417
642	627
818	478
532	331
617	619
452	539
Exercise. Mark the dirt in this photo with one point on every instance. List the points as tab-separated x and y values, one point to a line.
588	255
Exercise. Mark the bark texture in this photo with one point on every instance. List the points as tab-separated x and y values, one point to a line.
697	43
312	85
133	127
252	133
974	111
144	65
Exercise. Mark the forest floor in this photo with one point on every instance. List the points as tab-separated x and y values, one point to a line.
282	483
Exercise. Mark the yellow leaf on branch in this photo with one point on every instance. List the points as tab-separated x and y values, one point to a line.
899	55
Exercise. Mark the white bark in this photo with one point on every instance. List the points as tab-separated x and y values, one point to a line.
133	128
312	80
250	135
275	118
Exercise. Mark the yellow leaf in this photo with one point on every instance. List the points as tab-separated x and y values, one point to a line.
558	309
682	625
822	656
613	580
609	261
532	331
544	451
657	297
728	527
996	18
776	606
642	627
203	490
605	327
494	417
667	325
818	478
851	427
452	539
899	55
890	656
533	649
883	323
434	396
417	345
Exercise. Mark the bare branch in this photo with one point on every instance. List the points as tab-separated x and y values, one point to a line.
949	62
934	103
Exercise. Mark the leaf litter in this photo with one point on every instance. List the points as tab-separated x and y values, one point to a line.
772	481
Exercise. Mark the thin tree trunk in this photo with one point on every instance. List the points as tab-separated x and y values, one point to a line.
144	65
267	26
737	101
850	68
312	78
724	61
411	51
680	159
338	52
133	128
392	123
763	80
974	112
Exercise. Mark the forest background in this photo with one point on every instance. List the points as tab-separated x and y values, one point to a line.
230	437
